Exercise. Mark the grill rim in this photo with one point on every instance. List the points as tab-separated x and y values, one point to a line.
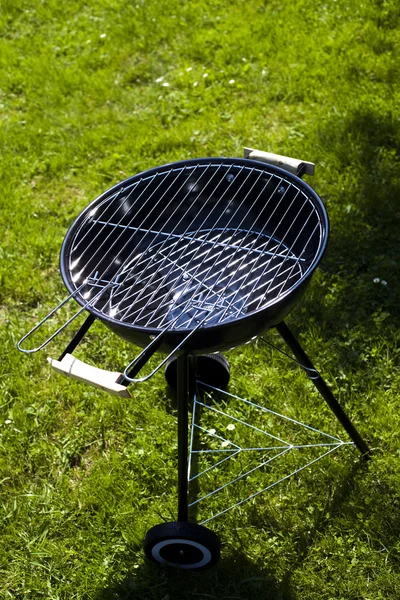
229	161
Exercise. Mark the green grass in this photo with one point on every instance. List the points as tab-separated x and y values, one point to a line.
83	104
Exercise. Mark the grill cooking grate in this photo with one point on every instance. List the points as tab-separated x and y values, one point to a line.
205	242
184	280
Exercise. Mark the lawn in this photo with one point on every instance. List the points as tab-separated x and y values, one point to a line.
91	93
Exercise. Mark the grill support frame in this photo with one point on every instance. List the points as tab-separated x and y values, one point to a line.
186	383
322	387
184	377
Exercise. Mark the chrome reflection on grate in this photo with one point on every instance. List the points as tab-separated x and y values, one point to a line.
185	279
222	239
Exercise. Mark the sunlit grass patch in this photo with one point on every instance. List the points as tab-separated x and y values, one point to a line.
90	95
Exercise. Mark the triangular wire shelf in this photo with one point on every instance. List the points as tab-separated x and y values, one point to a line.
229	449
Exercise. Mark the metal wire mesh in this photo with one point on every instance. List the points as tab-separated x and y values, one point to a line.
215	239
224	433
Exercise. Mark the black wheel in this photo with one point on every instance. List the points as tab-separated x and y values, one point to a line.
212	369
181	544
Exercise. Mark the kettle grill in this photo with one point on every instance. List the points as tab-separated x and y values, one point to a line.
190	259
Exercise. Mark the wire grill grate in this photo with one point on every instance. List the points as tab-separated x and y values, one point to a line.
208	242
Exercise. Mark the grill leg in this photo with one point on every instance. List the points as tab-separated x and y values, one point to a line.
323	389
182	393
78	337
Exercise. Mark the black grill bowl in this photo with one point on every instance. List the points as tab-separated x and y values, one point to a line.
230	244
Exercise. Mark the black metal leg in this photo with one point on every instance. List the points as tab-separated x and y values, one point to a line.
78	337
323	389
182	392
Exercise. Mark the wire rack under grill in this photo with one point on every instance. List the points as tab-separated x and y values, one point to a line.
206	242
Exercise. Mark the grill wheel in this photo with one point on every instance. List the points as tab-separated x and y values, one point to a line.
183	545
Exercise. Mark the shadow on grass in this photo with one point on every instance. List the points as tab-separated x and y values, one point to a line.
335	507
236	576
350	316
365	220
233	578
365	514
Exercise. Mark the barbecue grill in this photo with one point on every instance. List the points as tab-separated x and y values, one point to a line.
189	259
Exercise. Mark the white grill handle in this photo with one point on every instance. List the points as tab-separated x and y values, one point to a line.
99	378
293	165
113	381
